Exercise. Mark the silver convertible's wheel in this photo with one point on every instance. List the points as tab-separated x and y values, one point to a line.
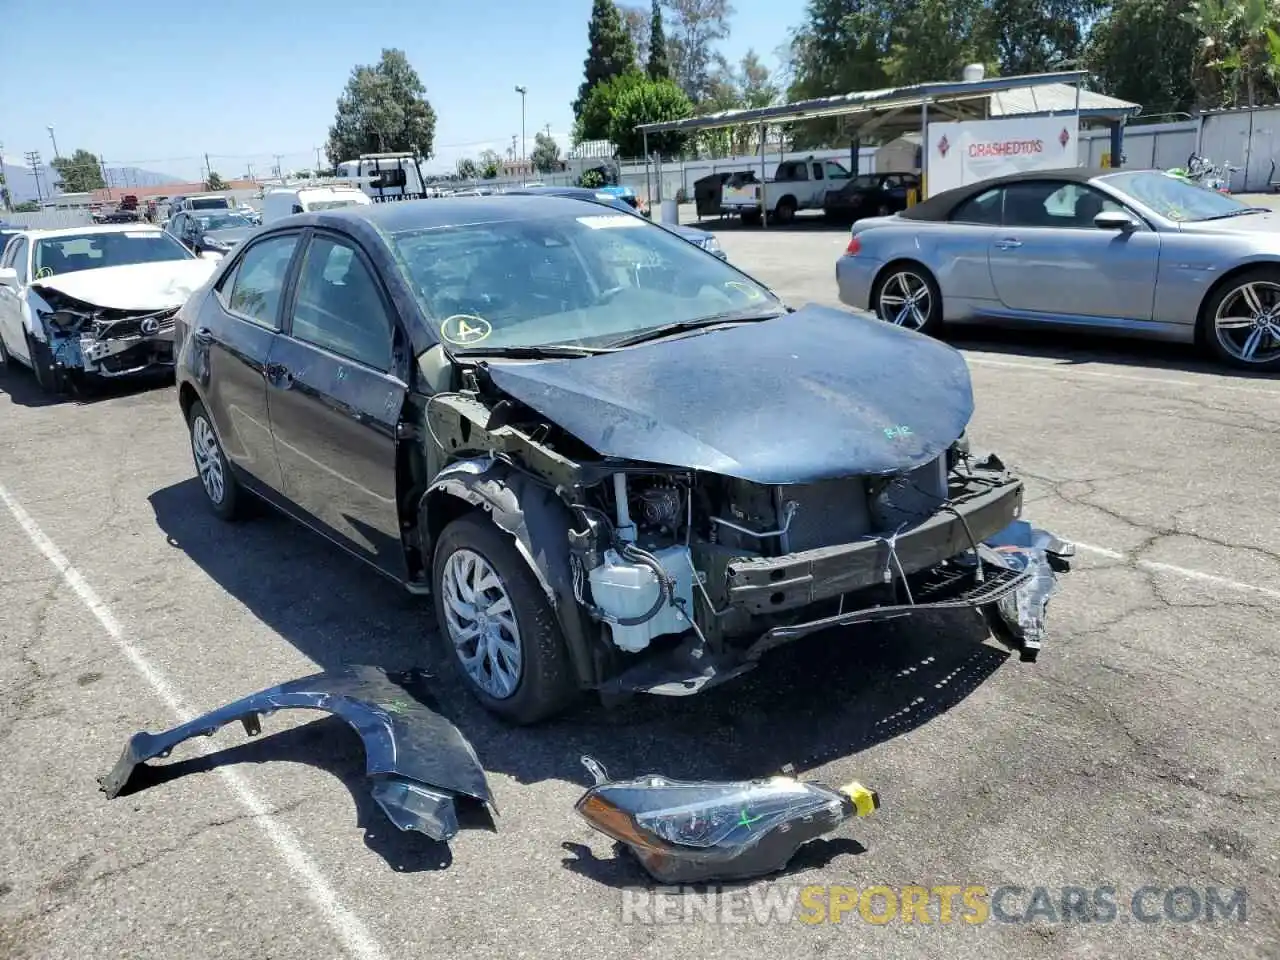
481	623
908	299
1246	323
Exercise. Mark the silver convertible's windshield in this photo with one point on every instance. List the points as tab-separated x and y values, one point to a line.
1176	199
580	280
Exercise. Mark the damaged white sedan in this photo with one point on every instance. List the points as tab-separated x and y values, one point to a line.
94	301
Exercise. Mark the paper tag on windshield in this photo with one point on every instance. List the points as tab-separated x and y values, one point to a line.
139	235
606	222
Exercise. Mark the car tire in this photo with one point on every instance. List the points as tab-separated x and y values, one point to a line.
900	281
48	377
750	218
1230	303
222	491
542	683
785	211
5	363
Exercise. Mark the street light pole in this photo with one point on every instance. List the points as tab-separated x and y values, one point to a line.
54	141
524	152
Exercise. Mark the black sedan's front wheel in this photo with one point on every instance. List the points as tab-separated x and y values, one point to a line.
221	488
501	633
1241	321
907	296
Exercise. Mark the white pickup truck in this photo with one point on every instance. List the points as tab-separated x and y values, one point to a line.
796	185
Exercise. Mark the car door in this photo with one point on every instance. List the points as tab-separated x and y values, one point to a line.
232	340
336	387
1049	258
13	299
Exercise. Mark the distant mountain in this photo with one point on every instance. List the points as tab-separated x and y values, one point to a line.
22	185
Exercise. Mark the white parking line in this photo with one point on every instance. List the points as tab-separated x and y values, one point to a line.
349	928
1065	369
1187	572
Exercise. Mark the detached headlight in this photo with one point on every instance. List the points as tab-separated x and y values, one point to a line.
212	243
711	244
688	832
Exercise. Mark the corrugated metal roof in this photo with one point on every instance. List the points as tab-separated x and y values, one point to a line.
891	98
1058	98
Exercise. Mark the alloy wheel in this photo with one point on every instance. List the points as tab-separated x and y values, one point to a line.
905	301
481	623
1247	322
204	446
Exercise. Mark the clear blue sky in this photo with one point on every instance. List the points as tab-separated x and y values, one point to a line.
157	83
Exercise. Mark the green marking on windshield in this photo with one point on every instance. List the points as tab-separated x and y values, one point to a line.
745	821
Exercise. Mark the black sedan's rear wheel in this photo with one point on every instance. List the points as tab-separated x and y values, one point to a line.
222	490
907	296
1240	323
502	636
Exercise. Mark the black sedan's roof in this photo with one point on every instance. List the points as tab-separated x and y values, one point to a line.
398	216
941	206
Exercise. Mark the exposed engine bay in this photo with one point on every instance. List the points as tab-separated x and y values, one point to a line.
690	576
107	342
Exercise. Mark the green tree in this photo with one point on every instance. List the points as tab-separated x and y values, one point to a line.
592	179
1143	50
636	21
490	164
932	40
27	206
546	153
659	64
1036	36
596	117
696	27
610	53
749	87
649	101
467	169
383	108
78	173
215	182
1238	59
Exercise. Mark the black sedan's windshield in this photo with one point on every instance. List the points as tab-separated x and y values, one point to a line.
90	251
586	280
1174	198
223	221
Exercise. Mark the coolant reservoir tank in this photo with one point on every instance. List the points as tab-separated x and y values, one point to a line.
624	589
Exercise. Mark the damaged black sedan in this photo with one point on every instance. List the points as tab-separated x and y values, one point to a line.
615	461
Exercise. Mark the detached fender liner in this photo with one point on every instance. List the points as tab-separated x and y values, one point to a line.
419	763
772	584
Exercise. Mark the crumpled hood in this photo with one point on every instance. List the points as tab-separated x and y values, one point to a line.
813	395
136	286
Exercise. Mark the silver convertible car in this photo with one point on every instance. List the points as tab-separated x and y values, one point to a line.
1139	252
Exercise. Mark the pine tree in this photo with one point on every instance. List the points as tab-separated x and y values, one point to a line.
659	65
611	51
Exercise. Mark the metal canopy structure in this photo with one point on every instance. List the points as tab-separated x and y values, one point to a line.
901	109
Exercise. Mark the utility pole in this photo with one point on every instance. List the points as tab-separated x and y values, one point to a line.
33	161
523	91
316	171
54	141
106	176
4	183
279	169
208	170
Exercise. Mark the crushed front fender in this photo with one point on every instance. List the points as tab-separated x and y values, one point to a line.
419	762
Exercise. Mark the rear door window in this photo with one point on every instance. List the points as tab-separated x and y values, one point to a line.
984	209
259	280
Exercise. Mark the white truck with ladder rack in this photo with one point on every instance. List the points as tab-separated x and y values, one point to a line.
386	176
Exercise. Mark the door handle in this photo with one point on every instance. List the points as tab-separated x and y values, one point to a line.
204	335
1009	244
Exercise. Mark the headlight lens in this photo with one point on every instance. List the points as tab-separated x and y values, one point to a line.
711	245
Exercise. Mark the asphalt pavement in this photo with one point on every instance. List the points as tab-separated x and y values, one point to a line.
1139	753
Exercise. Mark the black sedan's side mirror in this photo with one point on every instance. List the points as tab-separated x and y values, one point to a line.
1115	220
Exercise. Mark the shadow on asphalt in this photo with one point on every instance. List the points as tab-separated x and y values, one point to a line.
19	384
817	700
1081	349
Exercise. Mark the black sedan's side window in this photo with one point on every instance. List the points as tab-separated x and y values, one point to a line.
338	307
259	280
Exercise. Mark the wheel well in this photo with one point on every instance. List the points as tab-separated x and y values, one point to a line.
789	198
895	265
1221	282
439	509
186	397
